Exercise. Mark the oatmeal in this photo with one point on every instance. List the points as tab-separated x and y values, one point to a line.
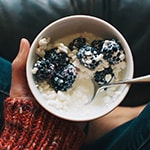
65	68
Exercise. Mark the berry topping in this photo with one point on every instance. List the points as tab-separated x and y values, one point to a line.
97	44
89	57
104	76
55	66
56	57
64	78
112	51
77	43
43	69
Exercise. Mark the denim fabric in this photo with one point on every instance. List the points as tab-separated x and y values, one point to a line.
5	81
5	76
133	135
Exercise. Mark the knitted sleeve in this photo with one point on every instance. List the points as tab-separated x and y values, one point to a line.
29	127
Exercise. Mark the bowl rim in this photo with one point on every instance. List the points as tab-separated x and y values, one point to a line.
34	44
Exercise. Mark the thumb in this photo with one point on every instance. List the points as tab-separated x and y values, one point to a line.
19	85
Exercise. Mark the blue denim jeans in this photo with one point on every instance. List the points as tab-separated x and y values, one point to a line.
5	81
133	135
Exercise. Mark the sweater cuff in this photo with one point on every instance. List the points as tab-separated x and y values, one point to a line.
36	128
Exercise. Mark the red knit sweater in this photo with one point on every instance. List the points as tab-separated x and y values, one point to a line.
29	127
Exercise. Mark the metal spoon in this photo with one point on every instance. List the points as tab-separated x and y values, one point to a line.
98	89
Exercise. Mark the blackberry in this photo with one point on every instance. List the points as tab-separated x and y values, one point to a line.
97	44
77	43
44	69
56	57
89	57
104	76
64	78
112	51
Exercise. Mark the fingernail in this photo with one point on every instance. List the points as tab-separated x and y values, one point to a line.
22	44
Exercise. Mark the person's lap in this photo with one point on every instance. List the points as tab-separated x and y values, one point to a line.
134	135
131	135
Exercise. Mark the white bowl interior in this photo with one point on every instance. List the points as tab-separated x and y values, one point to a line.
76	24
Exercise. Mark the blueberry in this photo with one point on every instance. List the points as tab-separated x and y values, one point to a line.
56	57
88	56
77	43
45	69
64	78
104	76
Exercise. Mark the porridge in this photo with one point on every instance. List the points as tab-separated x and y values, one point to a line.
65	68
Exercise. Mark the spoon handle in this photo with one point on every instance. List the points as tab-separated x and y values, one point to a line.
141	79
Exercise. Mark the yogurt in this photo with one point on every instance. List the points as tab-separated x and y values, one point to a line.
88	57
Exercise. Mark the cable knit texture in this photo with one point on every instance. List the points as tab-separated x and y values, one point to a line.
29	127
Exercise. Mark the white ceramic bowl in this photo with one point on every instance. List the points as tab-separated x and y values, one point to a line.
76	24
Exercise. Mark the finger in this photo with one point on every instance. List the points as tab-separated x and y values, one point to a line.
19	85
